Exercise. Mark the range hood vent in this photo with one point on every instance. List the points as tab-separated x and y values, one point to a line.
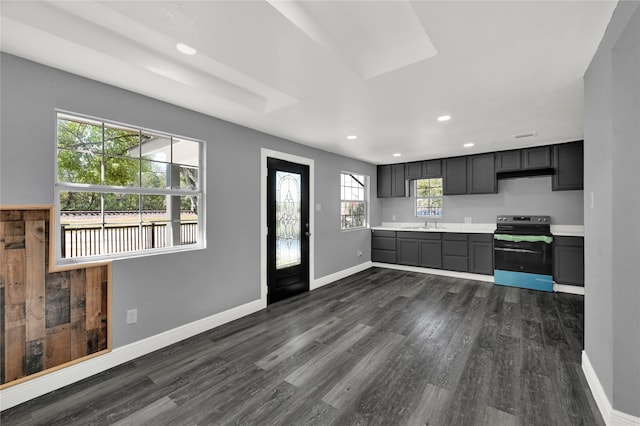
525	173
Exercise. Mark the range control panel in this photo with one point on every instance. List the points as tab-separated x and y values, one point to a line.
525	220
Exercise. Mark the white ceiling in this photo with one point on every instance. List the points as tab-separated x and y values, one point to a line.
317	71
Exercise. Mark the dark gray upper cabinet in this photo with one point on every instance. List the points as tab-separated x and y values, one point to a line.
398	181
432	169
454	175
568	260
423	169
523	159
481	175
384	181
508	161
414	170
568	160
481	254
391	181
536	158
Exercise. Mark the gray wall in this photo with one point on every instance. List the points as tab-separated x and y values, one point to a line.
612	228
532	196
174	289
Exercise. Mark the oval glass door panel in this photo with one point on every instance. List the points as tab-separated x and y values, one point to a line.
288	223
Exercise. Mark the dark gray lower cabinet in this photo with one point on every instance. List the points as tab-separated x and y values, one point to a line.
481	254
455	255
420	249
568	260
450	251
383	246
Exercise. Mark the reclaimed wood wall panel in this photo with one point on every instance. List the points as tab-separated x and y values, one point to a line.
48	317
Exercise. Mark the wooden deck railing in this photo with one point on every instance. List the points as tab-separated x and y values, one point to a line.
87	240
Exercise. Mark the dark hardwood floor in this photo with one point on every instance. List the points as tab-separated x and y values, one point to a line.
381	347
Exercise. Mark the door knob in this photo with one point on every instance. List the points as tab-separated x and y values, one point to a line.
308	234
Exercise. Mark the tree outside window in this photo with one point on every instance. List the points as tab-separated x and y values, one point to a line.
353	200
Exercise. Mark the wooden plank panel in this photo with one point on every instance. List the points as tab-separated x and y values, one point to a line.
39	215
15	276
57	308
2	333
58	345
35	279
34	356
78	321
15	353
2	255
95	276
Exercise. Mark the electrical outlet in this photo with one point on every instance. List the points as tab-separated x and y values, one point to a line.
359	253
393	217
132	316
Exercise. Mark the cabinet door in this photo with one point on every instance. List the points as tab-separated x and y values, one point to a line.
568	260
536	158
568	160
408	252
384	181
431	254
481	174
432	169
481	257
415	170
455	176
399	183
508	161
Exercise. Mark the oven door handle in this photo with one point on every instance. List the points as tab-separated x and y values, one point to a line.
517	250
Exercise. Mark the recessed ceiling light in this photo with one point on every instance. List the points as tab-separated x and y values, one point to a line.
444	118
187	50
468	145
352	137
397	154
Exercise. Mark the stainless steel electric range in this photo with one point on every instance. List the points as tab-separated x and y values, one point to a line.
523	255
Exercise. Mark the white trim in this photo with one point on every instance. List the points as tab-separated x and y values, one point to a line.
571	289
610	416
34	388
264	154
445	273
328	279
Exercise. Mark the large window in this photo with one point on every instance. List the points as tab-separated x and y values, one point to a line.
353	200
122	190
428	197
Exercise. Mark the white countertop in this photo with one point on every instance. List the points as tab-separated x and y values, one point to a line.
470	228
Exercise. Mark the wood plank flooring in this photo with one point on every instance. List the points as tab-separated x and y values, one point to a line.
381	347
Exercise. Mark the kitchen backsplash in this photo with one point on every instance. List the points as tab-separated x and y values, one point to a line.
519	196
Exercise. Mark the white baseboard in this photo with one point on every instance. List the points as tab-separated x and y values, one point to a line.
442	272
572	289
328	279
36	387
610	416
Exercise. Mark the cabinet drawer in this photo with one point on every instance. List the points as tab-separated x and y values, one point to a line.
419	235
377	233
383	243
448	236
481	238
384	256
569	241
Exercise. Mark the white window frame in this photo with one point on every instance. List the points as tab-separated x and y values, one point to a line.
366	185
417	198
138	190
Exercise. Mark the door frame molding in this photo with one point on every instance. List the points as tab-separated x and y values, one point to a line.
268	153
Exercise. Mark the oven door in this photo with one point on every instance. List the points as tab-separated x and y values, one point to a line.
525	254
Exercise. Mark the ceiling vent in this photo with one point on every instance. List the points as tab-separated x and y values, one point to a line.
525	135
